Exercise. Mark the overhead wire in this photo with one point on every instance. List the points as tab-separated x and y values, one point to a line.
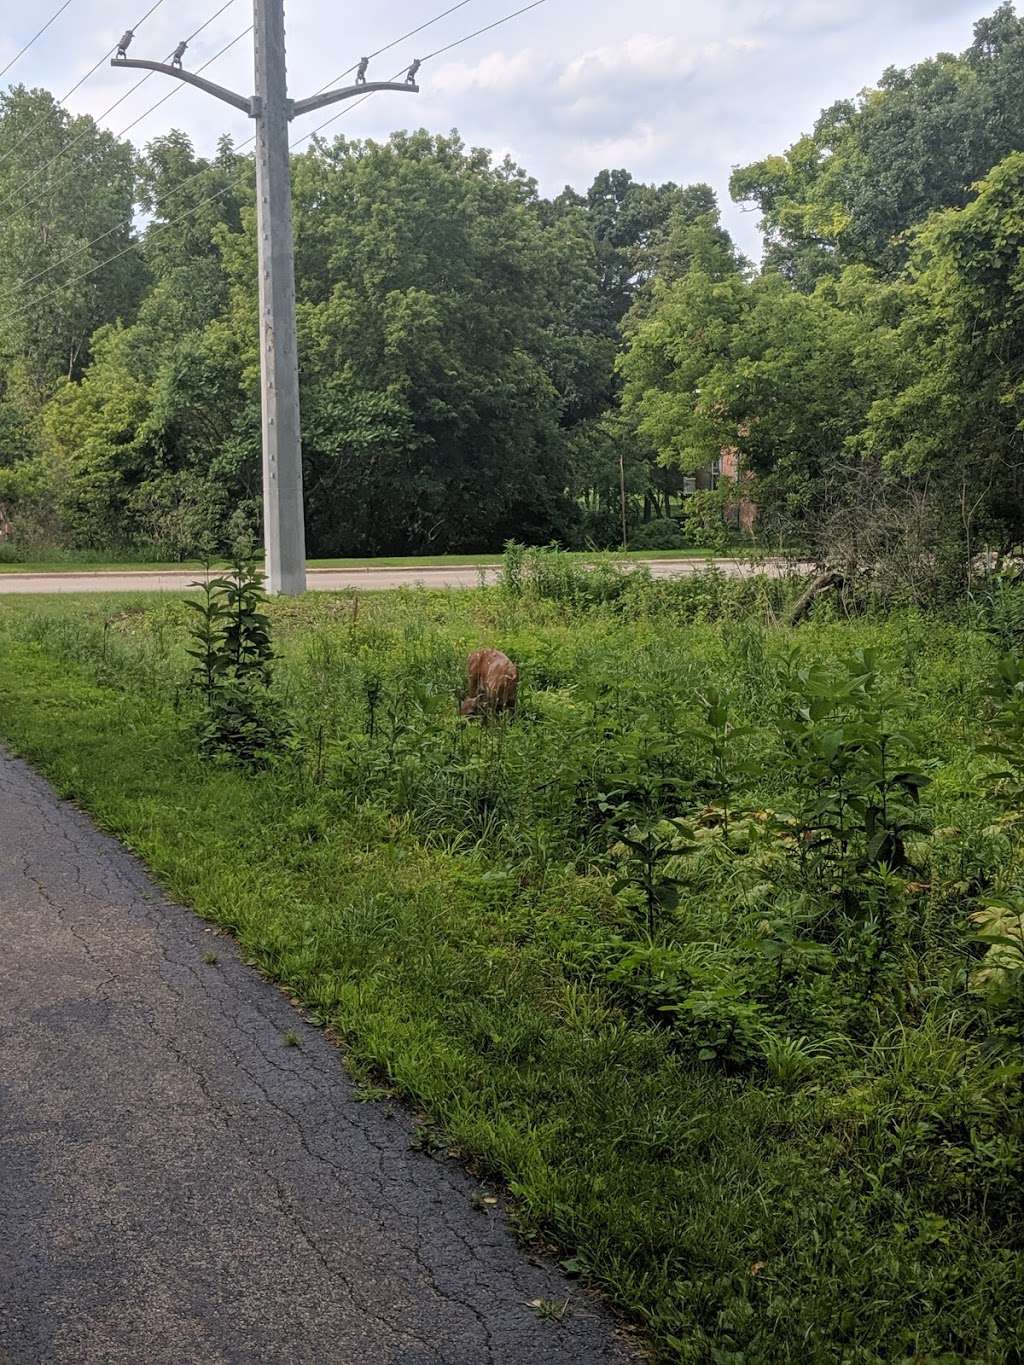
486	29
126	222
108	54
78	84
423	60
145	114
202	27
70	146
172	222
388	46
35	38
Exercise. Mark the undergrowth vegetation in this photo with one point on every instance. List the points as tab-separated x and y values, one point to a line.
713	950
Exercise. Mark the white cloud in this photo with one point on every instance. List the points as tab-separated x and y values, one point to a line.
500	72
644	55
812	16
643	148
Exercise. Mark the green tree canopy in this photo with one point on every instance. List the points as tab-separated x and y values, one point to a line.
875	166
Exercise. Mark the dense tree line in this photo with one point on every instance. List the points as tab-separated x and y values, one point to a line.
870	374
480	363
458	337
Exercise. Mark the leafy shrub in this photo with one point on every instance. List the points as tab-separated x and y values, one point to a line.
597	529
1000	610
704	513
707	596
550	574
705	998
1007	742
663	533
180	515
857	780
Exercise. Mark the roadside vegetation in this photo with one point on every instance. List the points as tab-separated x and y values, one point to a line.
712	951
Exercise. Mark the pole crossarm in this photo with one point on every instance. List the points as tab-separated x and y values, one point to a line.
348	92
247	103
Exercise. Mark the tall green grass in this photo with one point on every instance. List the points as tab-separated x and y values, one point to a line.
768	1129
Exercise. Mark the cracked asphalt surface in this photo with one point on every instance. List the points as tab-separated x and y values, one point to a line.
179	1186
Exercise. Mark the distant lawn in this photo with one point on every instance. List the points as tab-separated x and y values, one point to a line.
88	565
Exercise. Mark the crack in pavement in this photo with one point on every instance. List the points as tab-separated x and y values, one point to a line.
176	1185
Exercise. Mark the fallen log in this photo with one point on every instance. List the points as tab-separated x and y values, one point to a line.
831	578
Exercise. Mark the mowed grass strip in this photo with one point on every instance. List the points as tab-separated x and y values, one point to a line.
73	562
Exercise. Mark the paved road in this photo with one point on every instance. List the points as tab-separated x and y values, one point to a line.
178	1187
335	580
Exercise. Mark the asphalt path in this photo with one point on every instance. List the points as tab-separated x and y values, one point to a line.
336	580
179	1186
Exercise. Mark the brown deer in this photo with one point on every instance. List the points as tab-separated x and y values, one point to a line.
493	684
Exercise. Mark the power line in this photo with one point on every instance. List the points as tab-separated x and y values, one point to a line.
69	146
486	29
145	114
28	133
209	21
35	37
77	279
127	222
458	43
78	85
388	46
334	118
172	222
109	53
86	132
132	246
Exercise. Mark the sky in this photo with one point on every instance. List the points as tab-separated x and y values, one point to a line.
680	90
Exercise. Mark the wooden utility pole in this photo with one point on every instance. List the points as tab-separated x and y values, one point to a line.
283	517
622	498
